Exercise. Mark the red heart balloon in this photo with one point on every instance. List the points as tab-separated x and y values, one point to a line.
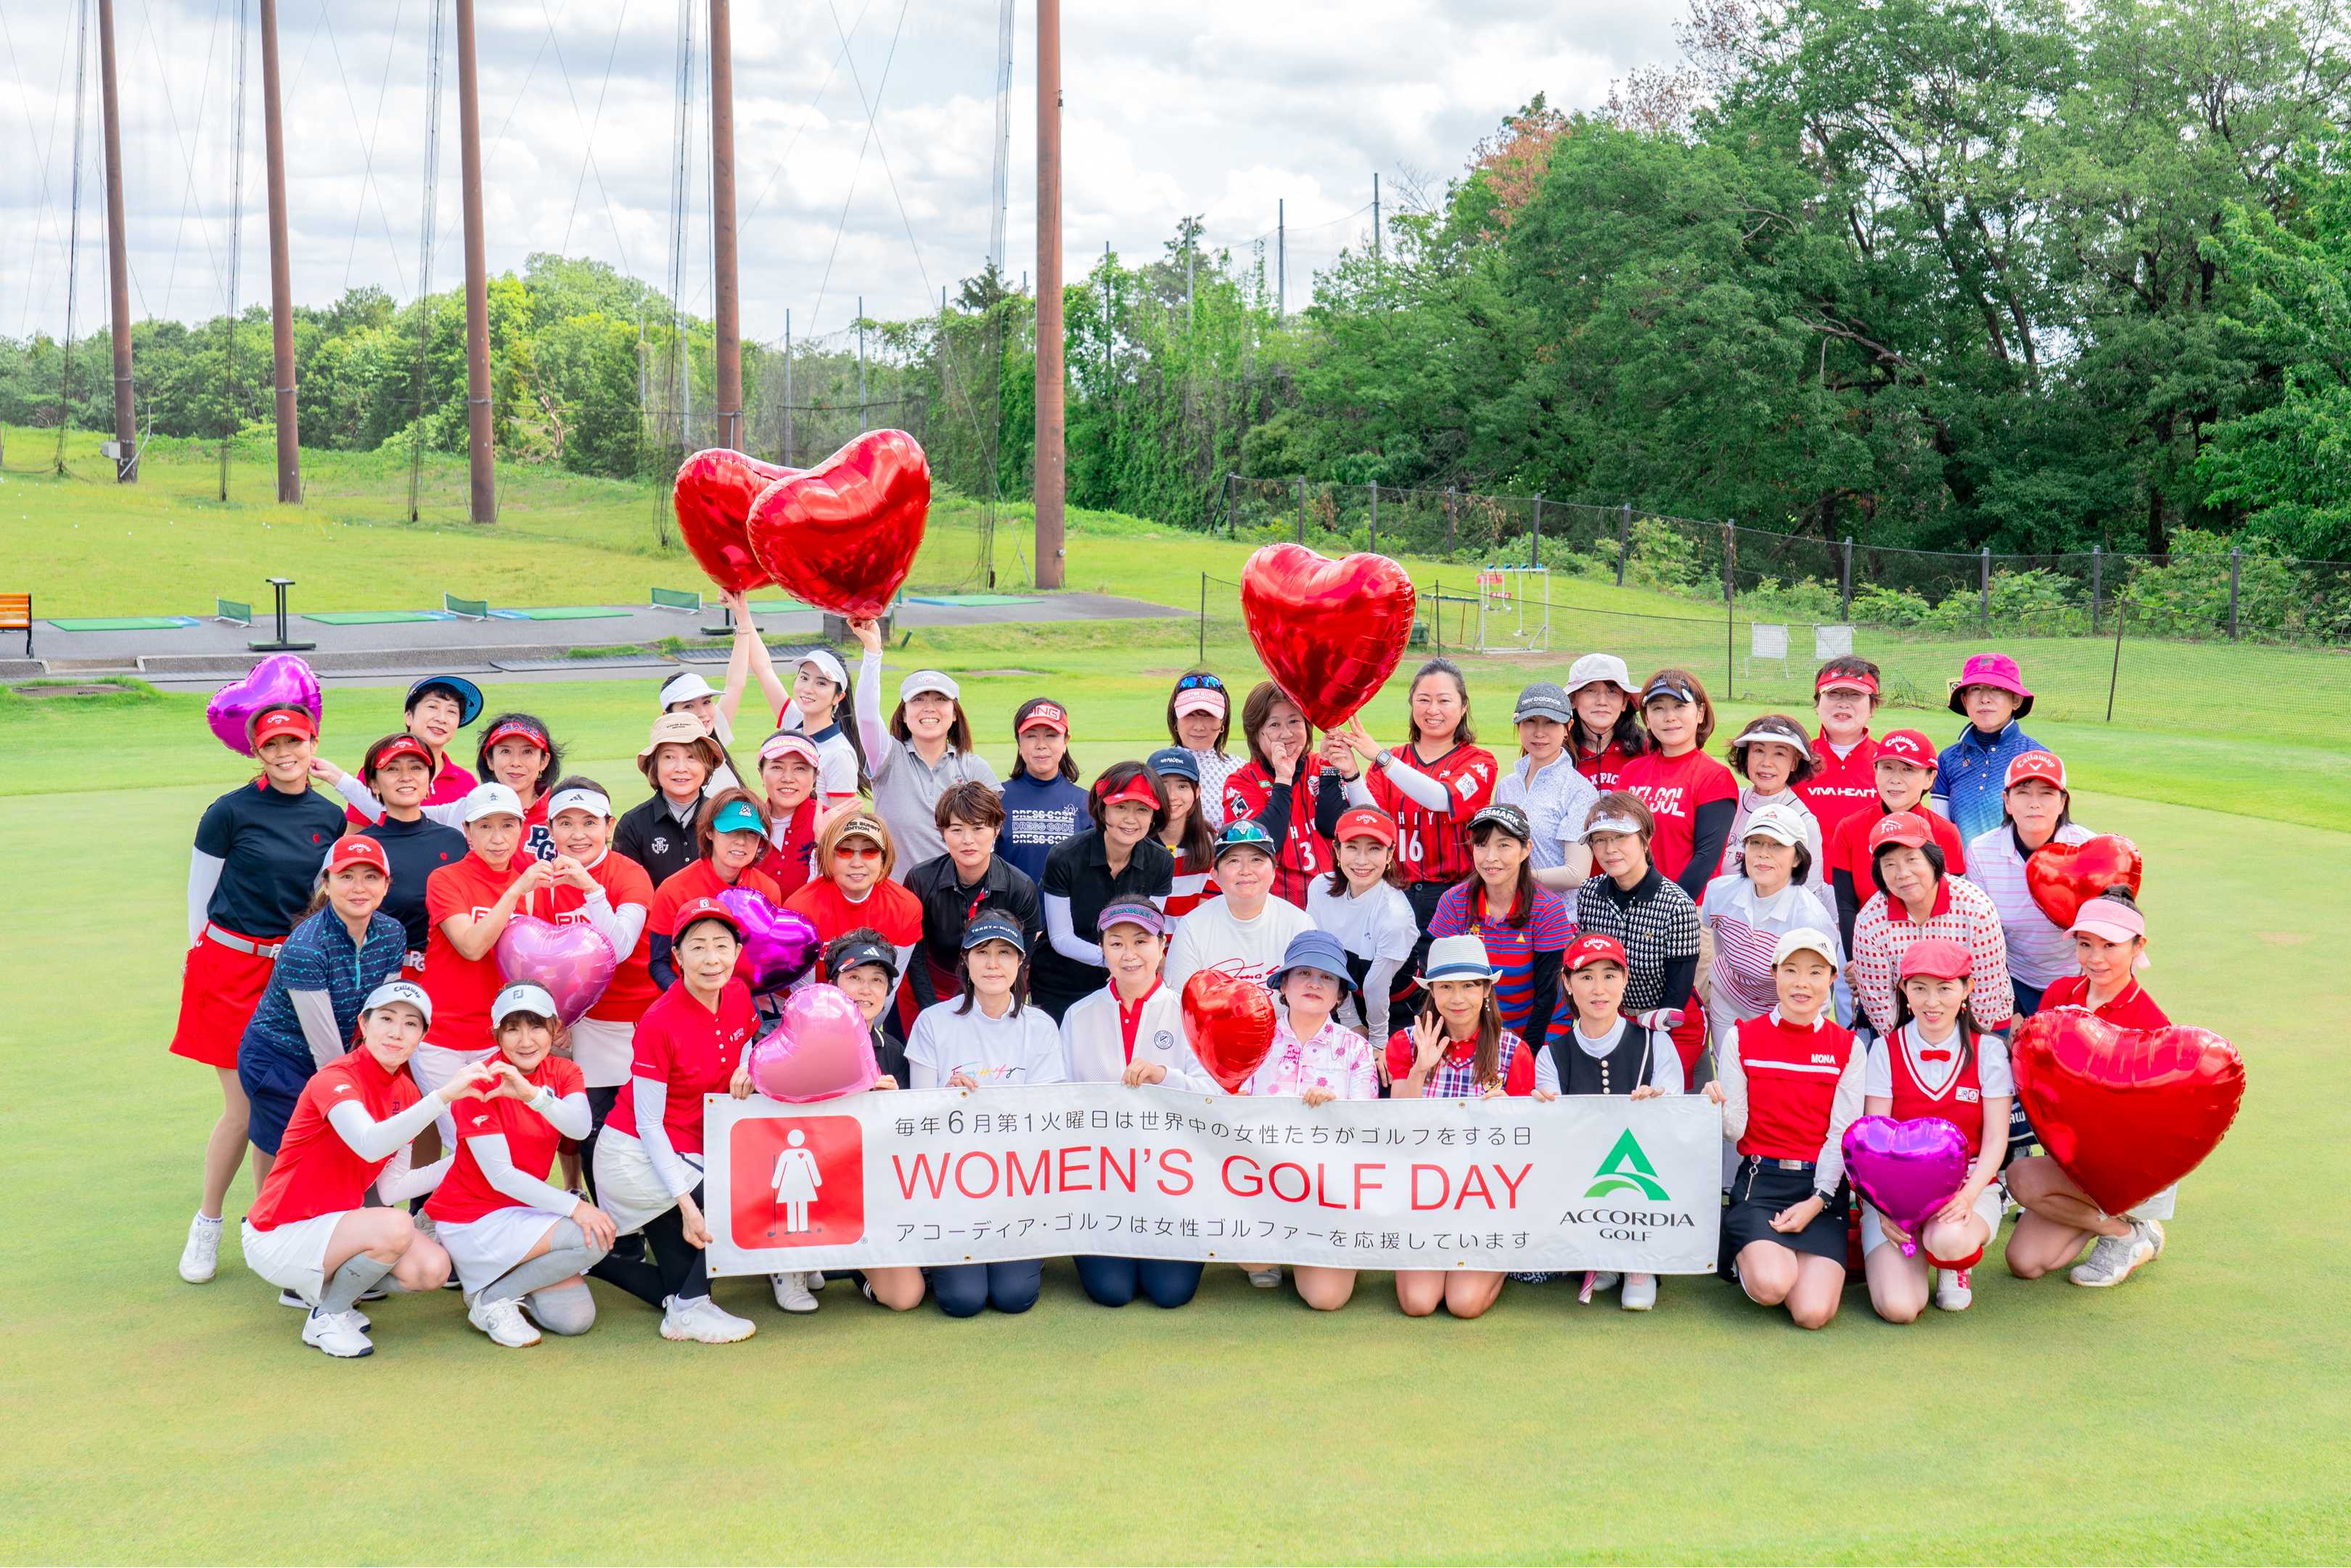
2126	1112
1228	1023
1329	631
842	535
713	495
2064	877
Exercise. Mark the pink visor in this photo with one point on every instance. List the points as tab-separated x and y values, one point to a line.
2113	921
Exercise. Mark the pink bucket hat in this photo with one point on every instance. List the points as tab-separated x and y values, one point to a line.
1991	670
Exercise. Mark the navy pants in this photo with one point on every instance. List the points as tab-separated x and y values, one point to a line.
2021	1138
1115	1282
966	1289
273	1083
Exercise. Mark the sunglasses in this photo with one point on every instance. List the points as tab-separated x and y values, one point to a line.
856	852
1200	682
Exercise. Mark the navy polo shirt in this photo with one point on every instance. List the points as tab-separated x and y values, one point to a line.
272	846
414	850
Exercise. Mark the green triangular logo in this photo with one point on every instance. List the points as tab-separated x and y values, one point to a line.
1627	1169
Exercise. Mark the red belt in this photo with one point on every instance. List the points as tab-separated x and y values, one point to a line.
236	944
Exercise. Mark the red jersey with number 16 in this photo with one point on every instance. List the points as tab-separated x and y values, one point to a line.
1433	846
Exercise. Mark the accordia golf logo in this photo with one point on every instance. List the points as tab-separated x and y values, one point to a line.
1627	1169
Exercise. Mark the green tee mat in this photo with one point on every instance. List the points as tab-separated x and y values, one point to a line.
372	617
560	612
124	623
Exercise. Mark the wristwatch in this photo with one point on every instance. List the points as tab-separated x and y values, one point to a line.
1828	1200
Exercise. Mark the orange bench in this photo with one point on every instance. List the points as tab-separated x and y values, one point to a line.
16	615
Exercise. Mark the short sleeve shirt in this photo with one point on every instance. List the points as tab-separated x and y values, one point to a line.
414	850
272	846
319	956
1674	787
1557	800
631	989
2131	1008
692	1050
466	1194
1079	870
1512	950
462	988
316	1172
1433	846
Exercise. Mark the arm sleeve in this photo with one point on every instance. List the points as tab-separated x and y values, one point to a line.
373	1140
651	1102
1429	794
1062	930
203	876
657	962
1732	1076
620	925
1379	979
1830	1169
1330	801
1275	817
918	973
1358	792
1680	980
880	750
399	1180
1848	904
1666	1066
362	799
1544	1000
1709	830
496	1162
571	1117
315	1011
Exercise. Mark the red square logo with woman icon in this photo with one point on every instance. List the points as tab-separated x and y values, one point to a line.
800	1181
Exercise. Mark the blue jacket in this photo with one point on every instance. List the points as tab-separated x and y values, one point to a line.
319	956
1038	814
1971	775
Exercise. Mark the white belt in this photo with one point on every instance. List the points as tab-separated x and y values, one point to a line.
236	944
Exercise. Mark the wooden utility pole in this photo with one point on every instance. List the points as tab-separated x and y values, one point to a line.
1050	424
281	268
118	268
484	507
730	327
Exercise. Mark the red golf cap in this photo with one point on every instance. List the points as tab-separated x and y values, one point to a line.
280	721
1901	828
1137	788
398	746
517	729
1594	948
356	850
1936	959
1040	713
2043	765
1366	822
1860	683
1907	746
703	909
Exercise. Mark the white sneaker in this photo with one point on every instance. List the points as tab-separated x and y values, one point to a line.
792	1292
1954	1292
294	1299
1266	1279
813	1279
702	1320
1640	1292
503	1322
2110	1262
337	1334
200	1258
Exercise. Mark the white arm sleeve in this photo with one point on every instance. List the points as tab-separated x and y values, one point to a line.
1358	792
315	1011
399	1181
651	1100
1427	793
498	1169
1546	1071
1732	1076
880	749
1829	1169
373	1140
203	876
1060	929
362	799
620	925
571	1116
1379	979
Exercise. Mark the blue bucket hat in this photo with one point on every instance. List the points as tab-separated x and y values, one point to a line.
1313	950
1175	762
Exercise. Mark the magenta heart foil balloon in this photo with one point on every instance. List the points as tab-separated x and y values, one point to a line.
276	681
574	963
822	1050
778	944
1908	1169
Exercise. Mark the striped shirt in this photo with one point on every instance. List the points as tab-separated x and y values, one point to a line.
1514	951
319	956
1971	776
1557	800
1964	914
1734	852
1746	929
2040	951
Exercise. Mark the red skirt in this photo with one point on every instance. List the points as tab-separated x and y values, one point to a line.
219	988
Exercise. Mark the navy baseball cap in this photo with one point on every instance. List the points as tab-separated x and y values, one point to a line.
857	955
994	925
1174	761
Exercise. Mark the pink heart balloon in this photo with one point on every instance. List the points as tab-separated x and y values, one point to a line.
778	944
573	963
822	1050
1908	1169
276	681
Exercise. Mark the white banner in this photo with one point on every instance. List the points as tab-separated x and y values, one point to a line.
946	1175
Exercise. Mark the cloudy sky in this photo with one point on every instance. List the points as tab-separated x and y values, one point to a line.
1217	107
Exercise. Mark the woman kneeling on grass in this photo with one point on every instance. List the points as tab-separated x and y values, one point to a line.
1789	1083
649	1156
521	1245
1937	1062
1457	1049
308	1233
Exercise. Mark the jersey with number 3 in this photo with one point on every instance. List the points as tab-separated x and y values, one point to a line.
1430	846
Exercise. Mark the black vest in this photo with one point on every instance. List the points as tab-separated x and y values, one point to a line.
1620	1072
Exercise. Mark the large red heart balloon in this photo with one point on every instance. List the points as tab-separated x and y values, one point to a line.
1228	1023
574	963
2126	1112
712	497
2064	877
842	535
1329	631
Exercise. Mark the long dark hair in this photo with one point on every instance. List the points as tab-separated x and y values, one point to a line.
1487	1064
962	980
1200	679
845	704
1522	897
1969	1027
1019	718
1626	734
1114	779
1195	842
958	728
1462	735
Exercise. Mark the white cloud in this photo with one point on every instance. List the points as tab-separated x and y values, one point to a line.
1219	107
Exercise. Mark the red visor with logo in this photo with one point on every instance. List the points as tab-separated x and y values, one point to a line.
516	729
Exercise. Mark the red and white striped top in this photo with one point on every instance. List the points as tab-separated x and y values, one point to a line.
1963	912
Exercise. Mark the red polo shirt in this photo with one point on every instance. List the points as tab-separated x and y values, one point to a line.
465	1195
462	988
317	1173
1840	786
631	989
1130	1016
1847	848
694	1050
2131	1008
701	880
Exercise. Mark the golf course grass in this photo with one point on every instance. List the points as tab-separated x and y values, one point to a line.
2196	1414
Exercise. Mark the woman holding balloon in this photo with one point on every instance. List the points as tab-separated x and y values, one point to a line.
1937	1063
2038	811
256	860
598	886
926	748
732	834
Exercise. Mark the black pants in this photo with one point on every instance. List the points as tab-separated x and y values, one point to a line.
677	1269
966	1289
1115	1282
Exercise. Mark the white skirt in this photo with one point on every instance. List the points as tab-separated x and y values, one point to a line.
602	1048
1990	1203
2160	1207
485	1249
628	1188
433	1065
294	1256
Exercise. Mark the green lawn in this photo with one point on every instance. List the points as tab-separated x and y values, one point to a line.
2195	1414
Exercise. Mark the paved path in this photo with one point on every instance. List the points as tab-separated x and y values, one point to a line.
202	653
